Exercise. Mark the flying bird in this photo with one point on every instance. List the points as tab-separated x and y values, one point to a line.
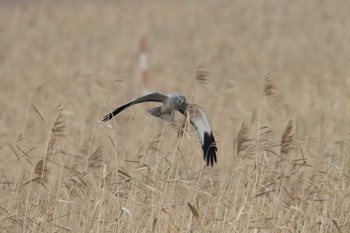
170	104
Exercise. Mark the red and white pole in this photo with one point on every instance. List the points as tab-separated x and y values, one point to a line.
143	59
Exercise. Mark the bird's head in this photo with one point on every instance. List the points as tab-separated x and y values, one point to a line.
180	101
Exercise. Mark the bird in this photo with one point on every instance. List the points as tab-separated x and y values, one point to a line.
170	104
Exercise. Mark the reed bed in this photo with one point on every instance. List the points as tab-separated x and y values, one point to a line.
272	77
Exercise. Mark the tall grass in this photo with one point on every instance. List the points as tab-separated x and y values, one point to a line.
276	185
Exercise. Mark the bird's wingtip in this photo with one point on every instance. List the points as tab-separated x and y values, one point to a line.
211	155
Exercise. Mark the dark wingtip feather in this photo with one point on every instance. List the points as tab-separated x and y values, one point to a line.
107	117
209	149
115	112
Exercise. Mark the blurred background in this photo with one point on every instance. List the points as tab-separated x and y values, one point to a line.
85	55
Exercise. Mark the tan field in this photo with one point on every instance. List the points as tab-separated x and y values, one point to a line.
274	81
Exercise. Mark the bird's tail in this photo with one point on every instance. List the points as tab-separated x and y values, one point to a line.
157	112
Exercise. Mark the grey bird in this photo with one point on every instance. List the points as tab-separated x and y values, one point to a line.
170	104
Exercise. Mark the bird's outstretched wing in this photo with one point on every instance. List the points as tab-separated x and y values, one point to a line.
199	121
153	97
